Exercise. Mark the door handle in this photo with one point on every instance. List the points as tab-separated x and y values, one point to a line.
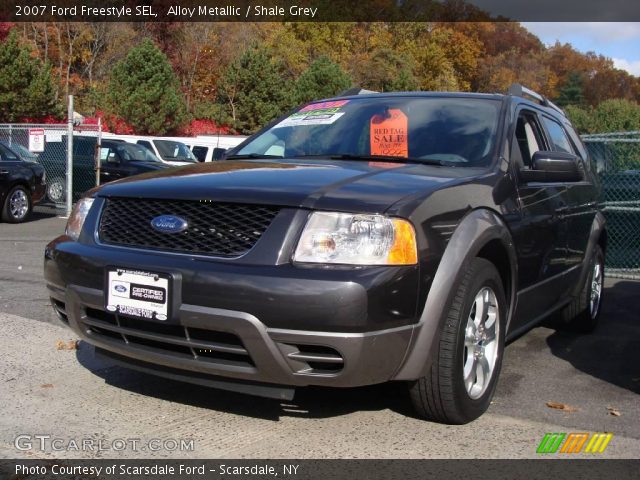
3	171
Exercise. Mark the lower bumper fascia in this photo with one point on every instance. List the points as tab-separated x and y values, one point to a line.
279	359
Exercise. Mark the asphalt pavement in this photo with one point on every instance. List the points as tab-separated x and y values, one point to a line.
68	395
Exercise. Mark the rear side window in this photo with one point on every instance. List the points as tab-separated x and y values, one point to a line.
557	135
145	144
577	143
200	153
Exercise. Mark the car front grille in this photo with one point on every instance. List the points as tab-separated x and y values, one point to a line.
216	229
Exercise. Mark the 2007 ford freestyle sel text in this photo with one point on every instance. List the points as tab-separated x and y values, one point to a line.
355	241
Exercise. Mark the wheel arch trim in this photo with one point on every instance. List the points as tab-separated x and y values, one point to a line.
598	228
475	230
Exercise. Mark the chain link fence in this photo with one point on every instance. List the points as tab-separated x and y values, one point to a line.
617	159
51	152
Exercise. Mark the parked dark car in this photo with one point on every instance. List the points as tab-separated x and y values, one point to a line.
22	184
359	240
118	160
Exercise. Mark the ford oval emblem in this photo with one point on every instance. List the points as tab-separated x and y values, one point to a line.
169	224
120	288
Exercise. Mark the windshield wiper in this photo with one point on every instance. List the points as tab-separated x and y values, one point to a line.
386	158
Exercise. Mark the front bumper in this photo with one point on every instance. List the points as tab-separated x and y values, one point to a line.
291	326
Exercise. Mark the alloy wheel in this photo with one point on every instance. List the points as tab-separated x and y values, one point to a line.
596	289
481	343
18	204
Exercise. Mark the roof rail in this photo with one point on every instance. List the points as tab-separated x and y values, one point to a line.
518	90
355	91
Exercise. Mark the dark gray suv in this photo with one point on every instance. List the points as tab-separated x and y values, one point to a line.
358	240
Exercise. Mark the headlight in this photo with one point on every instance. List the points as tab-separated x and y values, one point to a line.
78	215
357	240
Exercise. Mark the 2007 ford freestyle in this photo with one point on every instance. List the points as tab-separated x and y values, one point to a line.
358	240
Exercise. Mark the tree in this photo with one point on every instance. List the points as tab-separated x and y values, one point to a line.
26	89
616	115
144	91
610	83
571	93
253	91
386	70
580	117
498	73
322	79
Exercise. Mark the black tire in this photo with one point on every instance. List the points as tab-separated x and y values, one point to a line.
578	315
17	206
441	395
57	190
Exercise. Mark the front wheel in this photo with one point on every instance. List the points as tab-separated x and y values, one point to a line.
17	206
464	373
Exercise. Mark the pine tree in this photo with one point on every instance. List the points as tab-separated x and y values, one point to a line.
26	88
571	92
144	91
253	91
322	79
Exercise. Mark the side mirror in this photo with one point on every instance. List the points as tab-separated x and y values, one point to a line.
218	153
552	167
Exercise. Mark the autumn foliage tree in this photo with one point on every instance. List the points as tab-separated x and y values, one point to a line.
144	91
214	69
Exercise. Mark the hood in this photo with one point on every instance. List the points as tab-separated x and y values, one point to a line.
144	165
357	186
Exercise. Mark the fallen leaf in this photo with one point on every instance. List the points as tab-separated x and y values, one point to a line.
70	345
47	385
613	411
561	406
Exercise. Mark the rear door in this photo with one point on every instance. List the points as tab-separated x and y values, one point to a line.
582	195
541	235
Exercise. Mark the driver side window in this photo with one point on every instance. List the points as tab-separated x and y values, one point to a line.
7	155
527	140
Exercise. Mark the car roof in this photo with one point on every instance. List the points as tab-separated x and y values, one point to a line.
493	96
475	95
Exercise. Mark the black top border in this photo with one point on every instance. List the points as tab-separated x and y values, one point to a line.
318	11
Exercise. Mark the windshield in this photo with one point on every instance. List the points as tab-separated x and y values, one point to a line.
174	151
456	131
130	151
24	153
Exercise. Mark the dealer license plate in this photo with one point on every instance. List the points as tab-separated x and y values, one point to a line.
138	294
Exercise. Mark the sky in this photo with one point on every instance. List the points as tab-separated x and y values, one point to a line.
619	41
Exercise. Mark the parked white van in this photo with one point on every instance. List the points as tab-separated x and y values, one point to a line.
207	148
181	150
168	149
